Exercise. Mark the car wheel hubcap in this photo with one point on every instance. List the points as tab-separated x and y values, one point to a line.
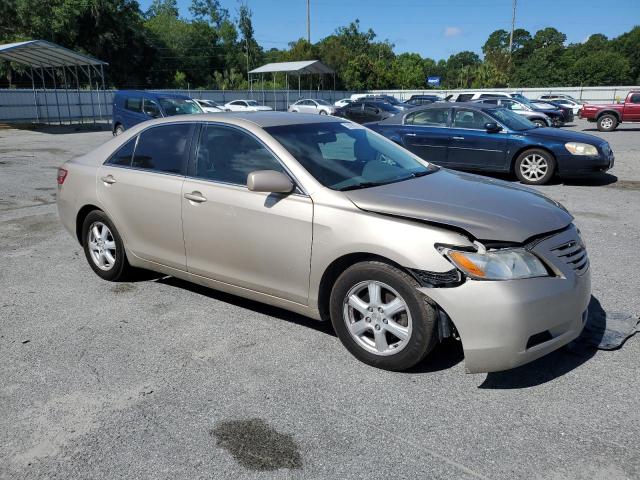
102	246
607	122
534	167
377	318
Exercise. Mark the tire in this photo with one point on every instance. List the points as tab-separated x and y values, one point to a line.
535	167
607	123
108	263
119	130
322	112
540	123
414	320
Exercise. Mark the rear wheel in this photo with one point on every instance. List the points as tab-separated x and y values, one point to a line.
535	167
322	112
380	317
104	248
607	123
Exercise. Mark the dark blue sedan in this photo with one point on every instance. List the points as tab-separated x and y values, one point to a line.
480	137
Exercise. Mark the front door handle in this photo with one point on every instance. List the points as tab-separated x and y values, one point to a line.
458	138
196	197
109	180
410	134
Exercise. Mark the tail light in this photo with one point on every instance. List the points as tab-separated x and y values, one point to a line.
62	175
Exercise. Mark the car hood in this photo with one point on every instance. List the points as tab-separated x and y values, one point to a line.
563	135
486	208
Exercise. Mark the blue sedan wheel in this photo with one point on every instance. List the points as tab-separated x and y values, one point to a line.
535	167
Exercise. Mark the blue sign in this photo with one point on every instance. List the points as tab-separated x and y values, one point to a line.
435	81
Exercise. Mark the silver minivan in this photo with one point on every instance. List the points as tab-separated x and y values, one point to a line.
328	219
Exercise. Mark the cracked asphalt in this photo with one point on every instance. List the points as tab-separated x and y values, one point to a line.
160	379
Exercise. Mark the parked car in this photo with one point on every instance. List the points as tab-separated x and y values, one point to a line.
567	112
538	118
476	136
246	106
565	101
131	107
367	111
417	100
343	102
209	106
608	117
312	105
374	97
557	114
324	217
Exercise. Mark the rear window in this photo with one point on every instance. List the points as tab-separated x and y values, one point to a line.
122	156
133	104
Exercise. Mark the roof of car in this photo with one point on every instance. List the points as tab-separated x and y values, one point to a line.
398	119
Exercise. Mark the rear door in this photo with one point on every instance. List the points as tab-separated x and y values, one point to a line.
472	146
132	112
140	188
426	133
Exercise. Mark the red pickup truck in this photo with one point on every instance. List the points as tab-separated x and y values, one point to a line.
610	116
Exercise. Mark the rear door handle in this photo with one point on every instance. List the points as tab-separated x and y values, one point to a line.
109	180
195	197
458	138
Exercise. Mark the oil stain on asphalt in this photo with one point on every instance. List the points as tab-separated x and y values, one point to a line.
257	446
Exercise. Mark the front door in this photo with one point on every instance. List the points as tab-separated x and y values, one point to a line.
254	240
632	108
140	187
472	146
426	134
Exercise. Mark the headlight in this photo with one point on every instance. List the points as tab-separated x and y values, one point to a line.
506	264
581	148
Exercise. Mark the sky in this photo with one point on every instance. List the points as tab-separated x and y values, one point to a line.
432	28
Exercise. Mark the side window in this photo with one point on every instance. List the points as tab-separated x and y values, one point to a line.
151	108
122	157
133	104
432	117
465	97
229	155
635	98
470	119
163	148
491	101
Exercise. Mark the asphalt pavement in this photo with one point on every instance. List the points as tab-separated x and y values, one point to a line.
160	379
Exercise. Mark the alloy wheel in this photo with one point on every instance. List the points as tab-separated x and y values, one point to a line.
377	317
533	167
606	123
102	246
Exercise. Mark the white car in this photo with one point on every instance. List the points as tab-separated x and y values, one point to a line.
245	106
343	102
312	105
209	106
565	101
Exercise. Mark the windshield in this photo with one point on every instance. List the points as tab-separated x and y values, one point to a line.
520	97
511	120
209	103
386	107
392	100
179	106
345	156
526	102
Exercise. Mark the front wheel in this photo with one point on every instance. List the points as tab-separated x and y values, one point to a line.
607	123
119	130
535	167
380	317
322	112
539	123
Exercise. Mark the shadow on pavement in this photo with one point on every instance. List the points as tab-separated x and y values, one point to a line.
60	129
262	308
555	364
445	355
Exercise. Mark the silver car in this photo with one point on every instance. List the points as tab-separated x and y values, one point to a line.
328	219
313	105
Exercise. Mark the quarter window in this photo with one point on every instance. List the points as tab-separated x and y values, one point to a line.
163	148
229	155
432	117
123	155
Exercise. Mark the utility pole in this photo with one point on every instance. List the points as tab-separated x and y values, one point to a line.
513	24
308	21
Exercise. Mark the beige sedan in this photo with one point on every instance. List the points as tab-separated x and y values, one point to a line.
326	218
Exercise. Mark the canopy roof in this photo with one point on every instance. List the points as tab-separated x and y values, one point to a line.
40	53
305	67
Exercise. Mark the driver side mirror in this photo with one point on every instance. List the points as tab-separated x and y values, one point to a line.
269	181
492	127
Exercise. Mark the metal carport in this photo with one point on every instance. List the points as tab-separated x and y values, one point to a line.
299	68
50	61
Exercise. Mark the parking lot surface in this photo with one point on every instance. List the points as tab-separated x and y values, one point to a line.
162	379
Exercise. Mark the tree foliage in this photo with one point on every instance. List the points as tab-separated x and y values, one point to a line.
215	47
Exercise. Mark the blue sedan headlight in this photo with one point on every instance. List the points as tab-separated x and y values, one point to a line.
576	148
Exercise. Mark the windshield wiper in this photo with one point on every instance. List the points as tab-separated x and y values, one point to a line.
358	186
